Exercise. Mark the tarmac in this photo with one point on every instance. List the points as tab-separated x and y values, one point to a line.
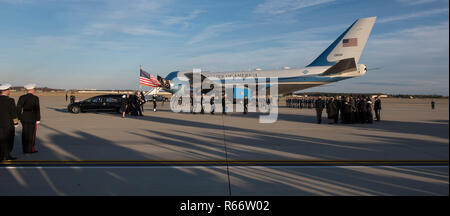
167	153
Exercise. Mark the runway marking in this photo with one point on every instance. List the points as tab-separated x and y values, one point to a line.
198	167
225	163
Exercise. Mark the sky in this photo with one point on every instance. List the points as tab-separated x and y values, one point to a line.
99	44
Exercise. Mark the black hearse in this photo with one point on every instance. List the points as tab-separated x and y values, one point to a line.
111	103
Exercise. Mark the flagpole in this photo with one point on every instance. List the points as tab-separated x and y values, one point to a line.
140	86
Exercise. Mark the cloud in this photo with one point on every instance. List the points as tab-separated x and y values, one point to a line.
213	31
17	2
416	55
413	15
275	7
416	2
171	20
136	30
384	83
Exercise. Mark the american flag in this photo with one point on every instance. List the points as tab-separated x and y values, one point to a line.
350	42
148	80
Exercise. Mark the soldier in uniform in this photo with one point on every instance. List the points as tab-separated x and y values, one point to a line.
154	98
28	111
319	105
124	105
8	121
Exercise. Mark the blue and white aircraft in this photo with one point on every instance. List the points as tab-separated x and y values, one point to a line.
338	62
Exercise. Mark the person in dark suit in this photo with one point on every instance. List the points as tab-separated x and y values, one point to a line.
377	108
332	111
28	111
211	102
142	100
138	102
8	121
245	104
319	104
223	104
347	111
202	105
72	98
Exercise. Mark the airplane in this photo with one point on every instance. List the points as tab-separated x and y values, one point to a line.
338	62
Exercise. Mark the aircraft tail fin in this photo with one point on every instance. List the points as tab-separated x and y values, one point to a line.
349	44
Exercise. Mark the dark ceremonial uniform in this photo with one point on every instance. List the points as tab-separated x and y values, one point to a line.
319	105
154	103
124	105
8	119
28	111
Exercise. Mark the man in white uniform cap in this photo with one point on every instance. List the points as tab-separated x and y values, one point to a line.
8	121
28	111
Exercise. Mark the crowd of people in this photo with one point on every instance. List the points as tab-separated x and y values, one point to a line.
348	109
133	104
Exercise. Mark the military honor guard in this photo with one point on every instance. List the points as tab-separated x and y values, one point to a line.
154	99
8	121
28	111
